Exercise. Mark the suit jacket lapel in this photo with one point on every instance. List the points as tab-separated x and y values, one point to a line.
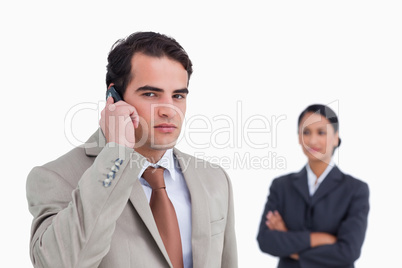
201	222
301	185
332	180
141	205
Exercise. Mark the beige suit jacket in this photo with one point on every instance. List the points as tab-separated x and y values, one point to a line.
80	223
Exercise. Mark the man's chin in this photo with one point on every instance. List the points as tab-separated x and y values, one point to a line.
163	146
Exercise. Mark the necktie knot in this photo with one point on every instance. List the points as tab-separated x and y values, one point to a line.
154	177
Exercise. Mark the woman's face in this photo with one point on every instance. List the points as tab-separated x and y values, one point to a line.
317	137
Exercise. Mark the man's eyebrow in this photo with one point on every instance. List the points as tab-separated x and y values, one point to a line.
149	88
156	89
182	91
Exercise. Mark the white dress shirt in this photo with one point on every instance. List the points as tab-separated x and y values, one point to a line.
313	182
179	195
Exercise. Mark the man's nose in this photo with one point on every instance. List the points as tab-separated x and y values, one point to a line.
166	110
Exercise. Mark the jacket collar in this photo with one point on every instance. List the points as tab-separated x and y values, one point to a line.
332	180
300	183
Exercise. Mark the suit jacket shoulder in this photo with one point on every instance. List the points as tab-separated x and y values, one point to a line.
211	173
334	173
288	179
353	182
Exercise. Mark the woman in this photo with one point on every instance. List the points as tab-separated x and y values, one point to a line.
318	216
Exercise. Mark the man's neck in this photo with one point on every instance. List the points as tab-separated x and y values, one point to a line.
153	156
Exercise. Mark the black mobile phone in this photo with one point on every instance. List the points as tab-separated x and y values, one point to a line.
112	92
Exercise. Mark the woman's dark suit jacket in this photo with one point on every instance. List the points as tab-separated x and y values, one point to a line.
340	207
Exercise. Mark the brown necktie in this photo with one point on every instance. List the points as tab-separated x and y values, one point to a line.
164	215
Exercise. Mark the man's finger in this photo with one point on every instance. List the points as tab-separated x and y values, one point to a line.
135	118
110	100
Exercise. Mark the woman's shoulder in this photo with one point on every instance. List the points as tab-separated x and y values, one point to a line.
286	178
352	181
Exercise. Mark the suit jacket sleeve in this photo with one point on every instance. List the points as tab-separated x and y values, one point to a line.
279	243
350	236
229	254
73	225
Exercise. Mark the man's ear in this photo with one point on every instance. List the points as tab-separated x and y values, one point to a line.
111	84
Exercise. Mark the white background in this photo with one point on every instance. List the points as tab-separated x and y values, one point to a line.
262	58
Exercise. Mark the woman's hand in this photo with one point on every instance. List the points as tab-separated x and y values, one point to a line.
275	222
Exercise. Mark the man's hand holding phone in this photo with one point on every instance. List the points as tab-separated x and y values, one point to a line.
118	121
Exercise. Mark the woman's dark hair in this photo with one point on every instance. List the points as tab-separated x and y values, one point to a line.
326	112
148	43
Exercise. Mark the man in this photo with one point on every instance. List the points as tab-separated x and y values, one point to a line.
97	206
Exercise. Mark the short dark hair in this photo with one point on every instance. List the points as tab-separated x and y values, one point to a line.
149	43
326	112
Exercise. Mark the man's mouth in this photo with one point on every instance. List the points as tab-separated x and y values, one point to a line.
165	128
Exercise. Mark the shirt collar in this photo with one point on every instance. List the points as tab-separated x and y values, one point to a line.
167	161
312	177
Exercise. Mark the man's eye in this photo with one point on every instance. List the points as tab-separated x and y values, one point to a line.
322	133
178	96
149	94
